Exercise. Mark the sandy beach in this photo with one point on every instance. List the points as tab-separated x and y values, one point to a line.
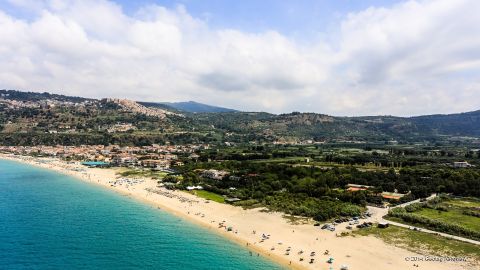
265	233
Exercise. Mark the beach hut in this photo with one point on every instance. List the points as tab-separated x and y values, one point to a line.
383	225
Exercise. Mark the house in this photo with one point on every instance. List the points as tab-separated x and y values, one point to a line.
392	195
214	174
155	163
461	164
124	160
355	187
194	156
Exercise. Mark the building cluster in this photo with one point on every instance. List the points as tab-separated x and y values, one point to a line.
135	107
385	195
47	103
153	156
119	127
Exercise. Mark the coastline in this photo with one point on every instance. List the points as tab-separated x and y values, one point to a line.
357	253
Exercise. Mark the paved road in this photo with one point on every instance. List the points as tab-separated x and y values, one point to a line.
378	214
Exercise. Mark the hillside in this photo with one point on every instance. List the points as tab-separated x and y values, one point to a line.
461	124
35	118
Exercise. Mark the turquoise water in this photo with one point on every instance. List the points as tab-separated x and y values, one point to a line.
51	221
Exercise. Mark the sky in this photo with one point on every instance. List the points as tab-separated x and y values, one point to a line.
339	57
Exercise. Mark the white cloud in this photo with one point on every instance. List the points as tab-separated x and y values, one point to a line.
415	57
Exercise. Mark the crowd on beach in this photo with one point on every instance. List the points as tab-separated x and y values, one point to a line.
170	194
126	182
307	257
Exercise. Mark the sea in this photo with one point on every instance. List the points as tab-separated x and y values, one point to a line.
53	221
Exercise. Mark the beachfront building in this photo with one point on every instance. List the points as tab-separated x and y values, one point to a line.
155	163
124	156
125	160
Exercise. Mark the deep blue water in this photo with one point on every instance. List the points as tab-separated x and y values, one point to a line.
51	221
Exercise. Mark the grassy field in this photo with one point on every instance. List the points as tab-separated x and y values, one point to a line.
281	160
209	195
142	173
449	211
454	216
423	243
465	202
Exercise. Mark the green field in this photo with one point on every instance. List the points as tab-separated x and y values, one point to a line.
142	173
281	160
209	195
465	202
423	243
454	216
442	214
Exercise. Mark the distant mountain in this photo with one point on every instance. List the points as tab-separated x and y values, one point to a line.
39	118
195	107
461	124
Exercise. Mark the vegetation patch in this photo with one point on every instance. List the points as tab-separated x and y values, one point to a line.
147	173
423	243
209	195
441	215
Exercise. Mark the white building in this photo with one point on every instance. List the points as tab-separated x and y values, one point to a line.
461	164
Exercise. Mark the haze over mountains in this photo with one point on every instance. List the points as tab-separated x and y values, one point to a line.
189	106
76	120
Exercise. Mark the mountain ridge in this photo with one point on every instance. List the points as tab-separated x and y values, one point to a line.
126	121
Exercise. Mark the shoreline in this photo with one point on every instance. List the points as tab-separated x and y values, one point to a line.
164	207
356	252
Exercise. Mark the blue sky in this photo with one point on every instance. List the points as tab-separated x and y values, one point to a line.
343	57
302	19
289	17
